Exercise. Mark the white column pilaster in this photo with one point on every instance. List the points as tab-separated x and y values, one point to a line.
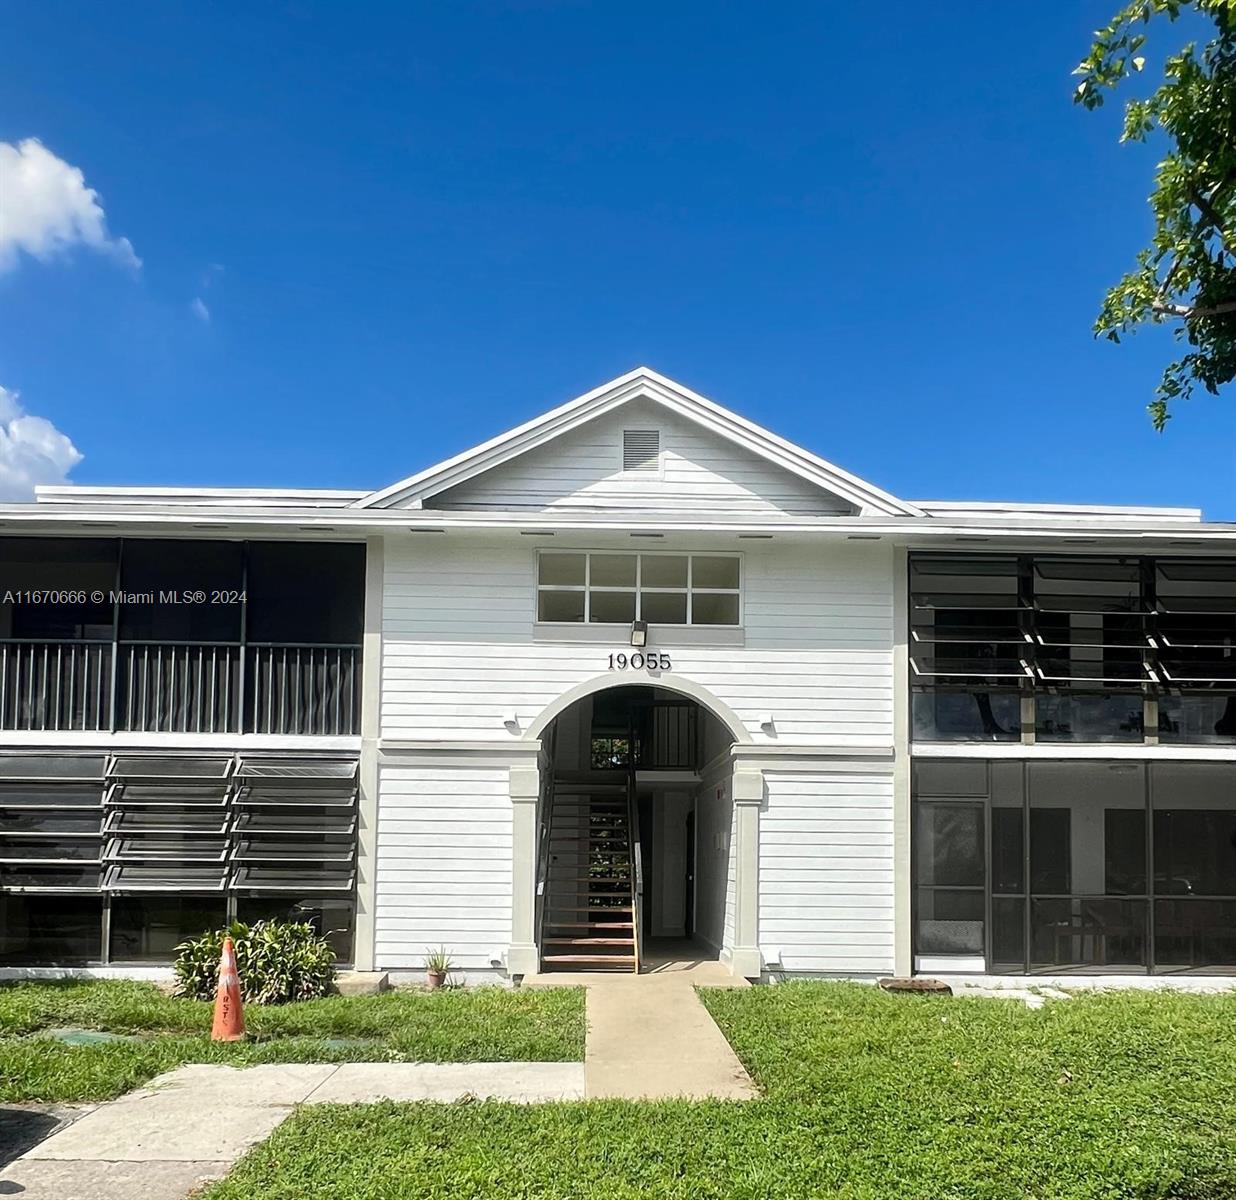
522	955
748	792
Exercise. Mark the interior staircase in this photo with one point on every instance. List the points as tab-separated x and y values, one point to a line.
590	905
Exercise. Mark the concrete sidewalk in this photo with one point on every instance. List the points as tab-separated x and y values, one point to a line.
650	1038
187	1127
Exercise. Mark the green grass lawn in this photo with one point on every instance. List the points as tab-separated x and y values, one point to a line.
1129	1096
453	1025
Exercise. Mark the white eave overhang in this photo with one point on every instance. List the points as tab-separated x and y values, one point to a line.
217	520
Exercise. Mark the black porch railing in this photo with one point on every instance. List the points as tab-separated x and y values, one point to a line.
168	687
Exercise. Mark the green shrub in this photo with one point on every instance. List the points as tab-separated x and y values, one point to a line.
278	961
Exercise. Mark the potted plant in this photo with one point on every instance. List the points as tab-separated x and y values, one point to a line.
437	967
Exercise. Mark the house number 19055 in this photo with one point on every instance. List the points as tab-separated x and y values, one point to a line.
653	660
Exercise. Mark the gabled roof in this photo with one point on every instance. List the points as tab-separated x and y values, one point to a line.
640	384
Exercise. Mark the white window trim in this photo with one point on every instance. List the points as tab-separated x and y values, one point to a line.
587	588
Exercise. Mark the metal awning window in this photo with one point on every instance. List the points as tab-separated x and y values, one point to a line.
51	768
295	824
51	811
161	877
167	822
968	622
175	769
121	821
1196	623
310	770
1071	641
178	823
1082	671
276	849
1017	621
304	822
281	878
938	666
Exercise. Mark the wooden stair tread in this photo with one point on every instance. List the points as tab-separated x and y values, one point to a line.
598	959
591	836
588	941
590	908
591	924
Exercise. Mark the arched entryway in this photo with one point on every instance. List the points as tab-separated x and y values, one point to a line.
643	835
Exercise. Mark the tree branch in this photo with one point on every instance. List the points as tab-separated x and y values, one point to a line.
1208	211
1188	313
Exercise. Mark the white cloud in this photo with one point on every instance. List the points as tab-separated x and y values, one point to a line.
199	309
32	450
46	208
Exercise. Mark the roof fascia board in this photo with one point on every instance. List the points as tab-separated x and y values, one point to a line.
989	508
641	383
107	521
75	491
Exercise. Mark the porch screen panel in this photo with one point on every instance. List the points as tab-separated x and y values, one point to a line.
1087	833
1194	822
950	875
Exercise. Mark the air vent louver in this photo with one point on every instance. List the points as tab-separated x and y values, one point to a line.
641	449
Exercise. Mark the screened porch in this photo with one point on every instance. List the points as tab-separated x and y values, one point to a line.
180	636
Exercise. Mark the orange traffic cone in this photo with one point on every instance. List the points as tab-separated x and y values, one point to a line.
229	1025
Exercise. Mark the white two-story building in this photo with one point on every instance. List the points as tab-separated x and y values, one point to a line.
635	673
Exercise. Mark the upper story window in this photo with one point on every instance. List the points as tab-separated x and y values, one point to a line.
616	588
1079	648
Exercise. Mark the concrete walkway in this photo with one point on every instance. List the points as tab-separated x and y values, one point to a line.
187	1127
650	1038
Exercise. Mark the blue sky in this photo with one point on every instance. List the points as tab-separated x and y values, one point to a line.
370	236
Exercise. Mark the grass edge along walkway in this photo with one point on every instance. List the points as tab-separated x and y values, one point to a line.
160	1033
1118	1096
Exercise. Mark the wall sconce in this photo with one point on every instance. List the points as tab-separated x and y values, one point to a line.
767	724
639	633
511	721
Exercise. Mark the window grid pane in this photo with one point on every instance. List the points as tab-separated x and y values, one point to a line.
660	587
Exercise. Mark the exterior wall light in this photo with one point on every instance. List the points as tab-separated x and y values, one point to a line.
639	633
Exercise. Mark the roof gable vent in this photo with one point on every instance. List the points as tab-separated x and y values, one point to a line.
641	450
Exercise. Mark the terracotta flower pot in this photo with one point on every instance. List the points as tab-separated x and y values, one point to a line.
435	979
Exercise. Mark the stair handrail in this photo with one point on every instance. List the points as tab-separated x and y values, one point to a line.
544	841
637	873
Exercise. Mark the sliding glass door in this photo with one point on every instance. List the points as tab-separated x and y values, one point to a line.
1067	867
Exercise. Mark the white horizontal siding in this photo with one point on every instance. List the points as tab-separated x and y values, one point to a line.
459	653
583	469
826	871
443	864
